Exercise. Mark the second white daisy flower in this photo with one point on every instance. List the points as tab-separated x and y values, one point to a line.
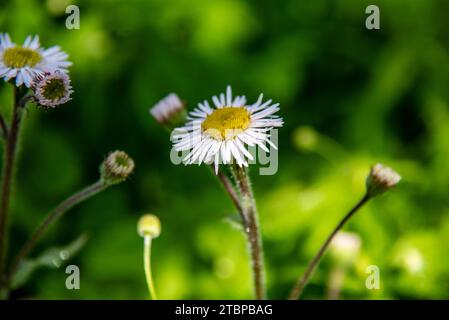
222	134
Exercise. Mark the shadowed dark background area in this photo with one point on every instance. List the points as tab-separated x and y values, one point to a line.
350	97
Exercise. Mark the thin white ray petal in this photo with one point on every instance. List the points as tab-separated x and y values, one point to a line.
206	149
222	99
216	162
216	102
235	153
228	95
243	149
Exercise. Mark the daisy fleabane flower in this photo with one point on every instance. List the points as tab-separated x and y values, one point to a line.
25	62
52	89
222	134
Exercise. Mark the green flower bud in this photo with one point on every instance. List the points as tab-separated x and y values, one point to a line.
116	167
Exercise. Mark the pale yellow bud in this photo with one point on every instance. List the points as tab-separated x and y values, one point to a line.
149	226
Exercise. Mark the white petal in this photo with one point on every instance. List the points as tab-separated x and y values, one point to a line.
236	153
228	96
243	150
216	102
217	160
27	42
268	111
35	43
207	148
222	99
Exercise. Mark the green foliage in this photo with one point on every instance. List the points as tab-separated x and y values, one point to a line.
51	258
363	96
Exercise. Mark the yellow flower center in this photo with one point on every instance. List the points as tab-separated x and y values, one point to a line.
226	123
54	89
18	57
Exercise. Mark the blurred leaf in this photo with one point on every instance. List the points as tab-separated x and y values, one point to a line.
52	258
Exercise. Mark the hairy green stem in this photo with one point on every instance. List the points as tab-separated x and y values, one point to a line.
302	281
230	190
54	215
252	230
8	171
3	128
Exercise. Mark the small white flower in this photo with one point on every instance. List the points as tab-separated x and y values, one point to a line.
346	241
52	89
222	134
412	260
167	108
29	60
381	179
345	246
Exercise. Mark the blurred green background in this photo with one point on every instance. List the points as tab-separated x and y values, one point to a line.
350	97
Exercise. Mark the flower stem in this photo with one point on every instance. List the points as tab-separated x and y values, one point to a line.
3	128
147	267
54	215
302	281
252	230
8	171
335	283
227	184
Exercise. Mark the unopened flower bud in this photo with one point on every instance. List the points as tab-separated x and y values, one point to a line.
169	111
381	179
116	167
52	89
149	226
